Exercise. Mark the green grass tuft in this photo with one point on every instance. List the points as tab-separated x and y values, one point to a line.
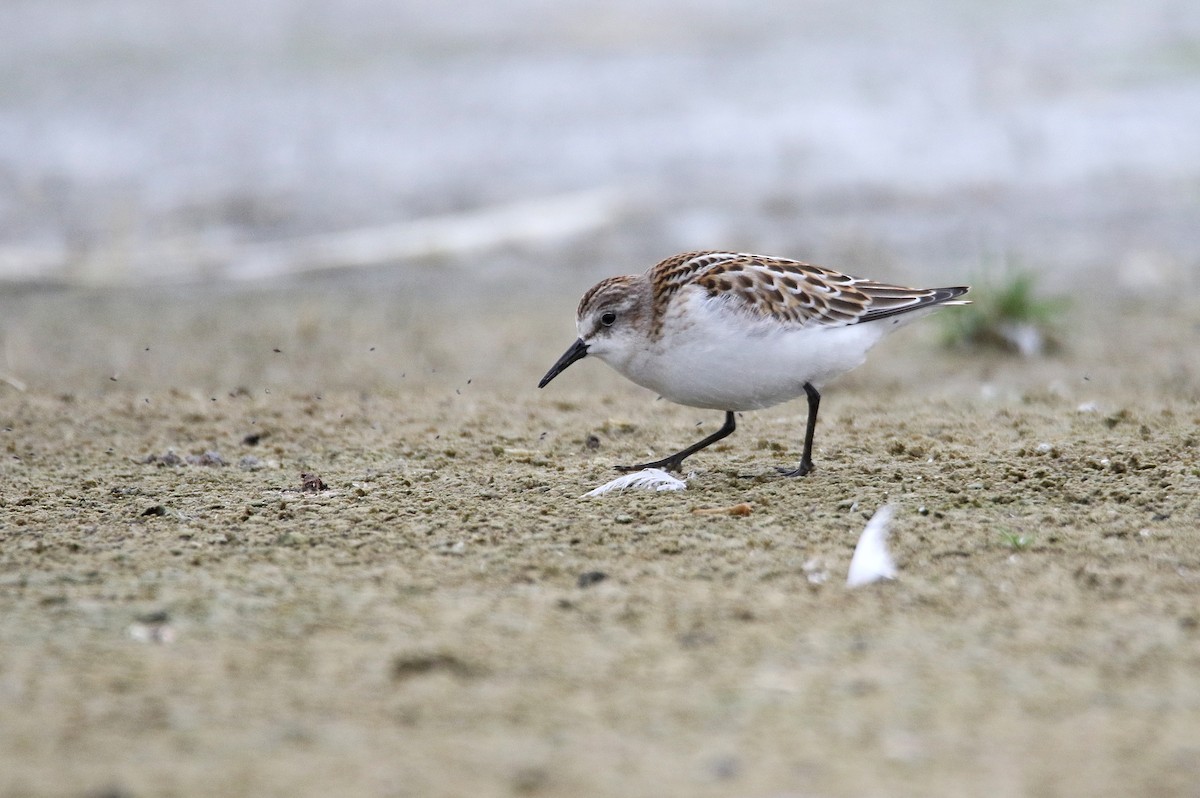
1007	315
1016	541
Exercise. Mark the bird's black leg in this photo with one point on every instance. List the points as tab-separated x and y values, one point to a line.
806	463
675	461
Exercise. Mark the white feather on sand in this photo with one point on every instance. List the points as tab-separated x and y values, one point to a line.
646	479
872	561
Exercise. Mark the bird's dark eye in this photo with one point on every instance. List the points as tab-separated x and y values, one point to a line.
607	319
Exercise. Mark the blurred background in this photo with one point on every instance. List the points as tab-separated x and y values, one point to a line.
519	151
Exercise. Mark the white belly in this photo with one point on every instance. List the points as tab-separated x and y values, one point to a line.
726	361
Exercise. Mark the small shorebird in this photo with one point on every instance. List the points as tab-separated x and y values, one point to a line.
732	331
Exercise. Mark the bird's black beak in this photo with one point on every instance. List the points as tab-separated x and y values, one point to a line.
578	351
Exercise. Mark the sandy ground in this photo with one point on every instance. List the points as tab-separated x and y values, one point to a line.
177	617
424	626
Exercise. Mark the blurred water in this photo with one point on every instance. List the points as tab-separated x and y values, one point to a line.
930	133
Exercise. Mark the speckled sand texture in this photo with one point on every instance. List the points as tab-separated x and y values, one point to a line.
449	617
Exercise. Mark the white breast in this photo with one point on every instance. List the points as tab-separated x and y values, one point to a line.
713	357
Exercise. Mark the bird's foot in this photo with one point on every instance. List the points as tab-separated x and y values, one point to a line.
803	470
666	464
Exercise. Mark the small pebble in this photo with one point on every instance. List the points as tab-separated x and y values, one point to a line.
590	578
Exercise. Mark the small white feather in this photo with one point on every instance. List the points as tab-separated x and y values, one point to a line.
872	561
646	479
